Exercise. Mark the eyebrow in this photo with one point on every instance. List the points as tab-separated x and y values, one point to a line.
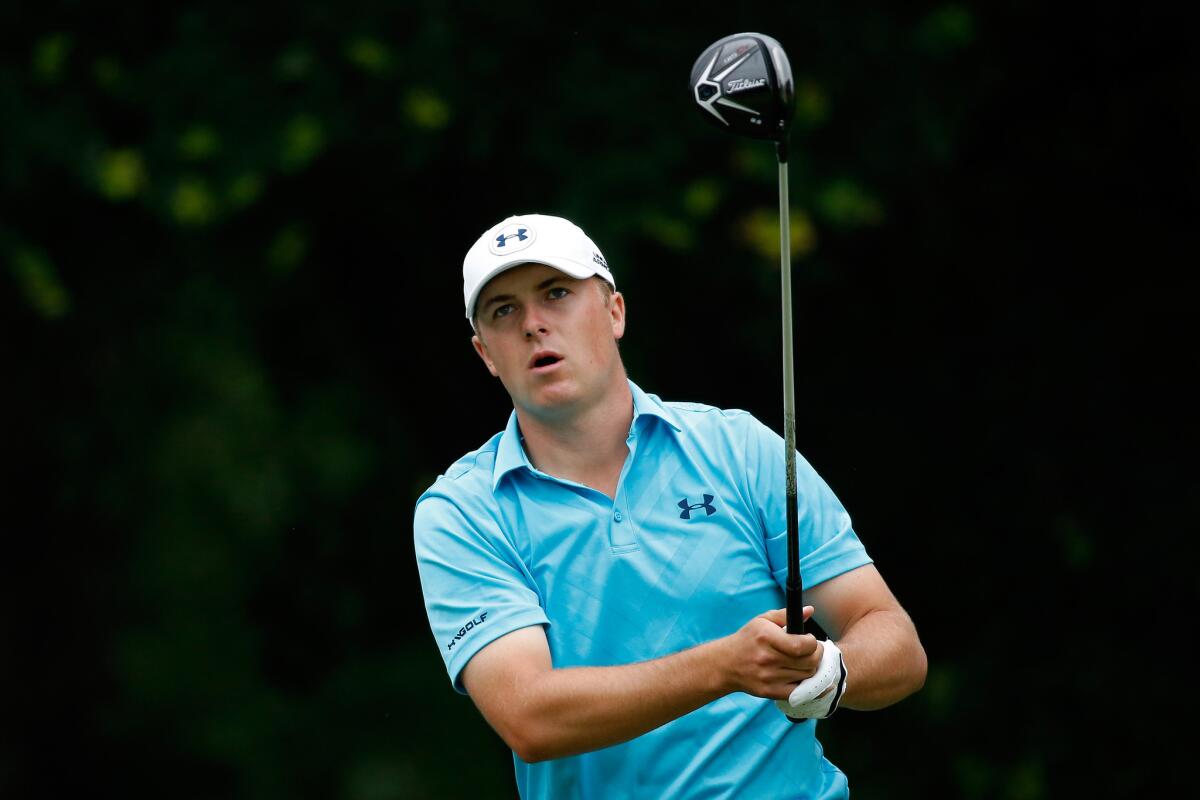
503	298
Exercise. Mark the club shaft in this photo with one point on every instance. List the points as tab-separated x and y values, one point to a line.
795	585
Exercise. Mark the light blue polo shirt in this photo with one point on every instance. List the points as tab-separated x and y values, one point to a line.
693	546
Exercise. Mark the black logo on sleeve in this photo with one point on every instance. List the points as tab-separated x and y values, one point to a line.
465	629
707	505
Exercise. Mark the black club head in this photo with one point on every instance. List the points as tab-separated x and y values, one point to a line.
743	84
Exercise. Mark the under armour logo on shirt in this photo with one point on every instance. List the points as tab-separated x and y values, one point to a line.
520	236
707	505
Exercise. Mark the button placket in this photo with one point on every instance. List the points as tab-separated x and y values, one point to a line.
621	533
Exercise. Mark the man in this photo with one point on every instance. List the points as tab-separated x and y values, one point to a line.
605	577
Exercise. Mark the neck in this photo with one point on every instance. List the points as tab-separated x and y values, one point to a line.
588	447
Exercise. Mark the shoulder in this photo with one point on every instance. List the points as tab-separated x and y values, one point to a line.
467	481
720	436
704	419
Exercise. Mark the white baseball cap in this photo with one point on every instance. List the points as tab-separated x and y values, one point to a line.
531	238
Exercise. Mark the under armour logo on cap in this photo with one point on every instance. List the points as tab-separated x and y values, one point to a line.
511	238
520	234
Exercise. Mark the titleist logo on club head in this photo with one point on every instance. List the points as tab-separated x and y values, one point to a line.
742	84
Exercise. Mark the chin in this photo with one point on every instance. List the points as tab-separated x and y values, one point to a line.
556	394
562	392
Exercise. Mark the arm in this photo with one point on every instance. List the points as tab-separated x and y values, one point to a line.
884	657
544	713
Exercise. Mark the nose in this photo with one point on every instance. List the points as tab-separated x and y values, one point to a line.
534	325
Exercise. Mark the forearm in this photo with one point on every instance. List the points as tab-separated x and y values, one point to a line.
884	660
563	712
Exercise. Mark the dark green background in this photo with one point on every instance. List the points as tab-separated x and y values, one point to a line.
231	239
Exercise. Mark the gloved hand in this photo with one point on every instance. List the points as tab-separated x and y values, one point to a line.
817	697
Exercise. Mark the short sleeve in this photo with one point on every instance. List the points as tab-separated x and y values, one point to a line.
475	586
828	544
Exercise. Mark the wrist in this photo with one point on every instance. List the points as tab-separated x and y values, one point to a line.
720	679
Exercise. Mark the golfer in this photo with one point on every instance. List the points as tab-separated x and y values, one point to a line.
605	577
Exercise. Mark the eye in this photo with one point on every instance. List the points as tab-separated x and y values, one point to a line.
502	311
558	292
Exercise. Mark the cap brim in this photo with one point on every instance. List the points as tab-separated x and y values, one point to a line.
564	265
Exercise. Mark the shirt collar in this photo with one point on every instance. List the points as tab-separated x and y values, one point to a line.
649	405
510	453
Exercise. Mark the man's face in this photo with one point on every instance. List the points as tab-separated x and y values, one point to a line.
551	339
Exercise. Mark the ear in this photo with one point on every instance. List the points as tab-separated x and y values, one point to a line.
482	350
616	311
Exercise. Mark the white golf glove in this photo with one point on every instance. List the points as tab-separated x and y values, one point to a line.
806	700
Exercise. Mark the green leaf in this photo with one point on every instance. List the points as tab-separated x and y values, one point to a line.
50	56
39	283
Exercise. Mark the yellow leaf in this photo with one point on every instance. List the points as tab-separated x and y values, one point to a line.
760	230
121	174
426	109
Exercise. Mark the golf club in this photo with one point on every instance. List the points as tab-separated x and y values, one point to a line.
743	84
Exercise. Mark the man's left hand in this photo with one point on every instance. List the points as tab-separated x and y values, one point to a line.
817	697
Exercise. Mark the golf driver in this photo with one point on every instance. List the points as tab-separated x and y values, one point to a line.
743	84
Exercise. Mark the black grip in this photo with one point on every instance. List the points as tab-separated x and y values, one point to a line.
794	582
795	610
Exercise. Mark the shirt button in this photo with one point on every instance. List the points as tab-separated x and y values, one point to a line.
617	516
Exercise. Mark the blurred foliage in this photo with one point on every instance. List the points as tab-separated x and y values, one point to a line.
235	357
38	282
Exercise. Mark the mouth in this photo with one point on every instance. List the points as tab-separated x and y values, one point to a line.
544	360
